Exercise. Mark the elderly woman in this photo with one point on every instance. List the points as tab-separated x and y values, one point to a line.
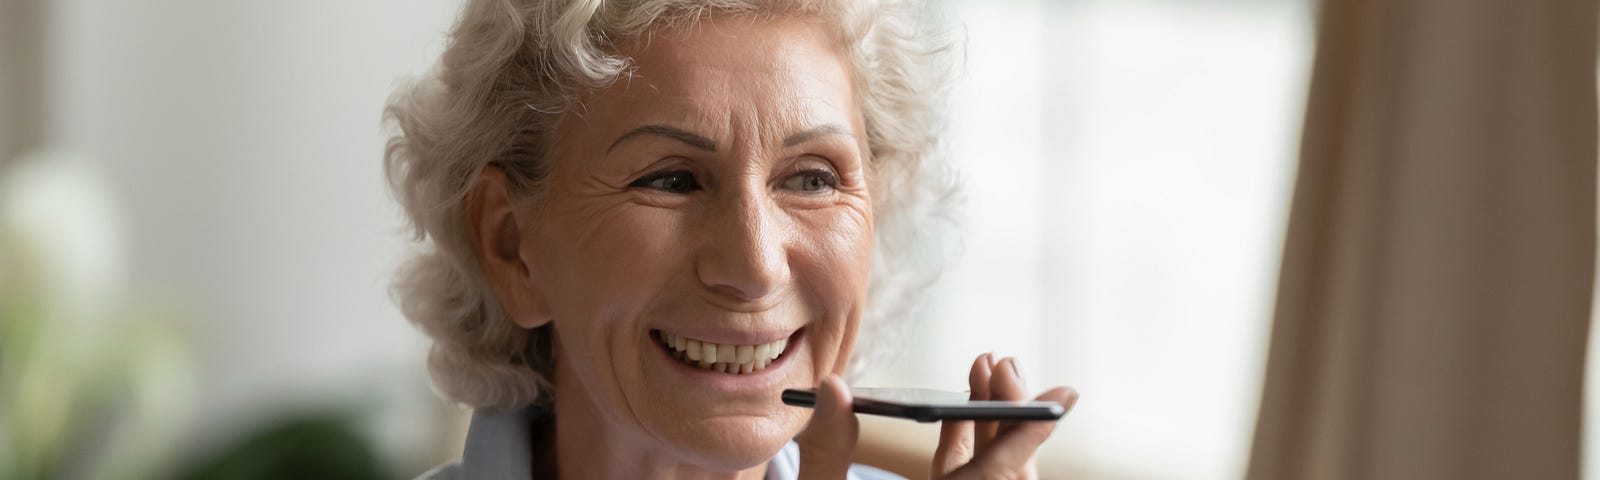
649	217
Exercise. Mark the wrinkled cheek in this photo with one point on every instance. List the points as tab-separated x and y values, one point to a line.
607	269
852	250
860	247
844	260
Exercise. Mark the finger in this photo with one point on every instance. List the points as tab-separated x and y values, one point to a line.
829	440
978	381
1007	383
955	436
1013	451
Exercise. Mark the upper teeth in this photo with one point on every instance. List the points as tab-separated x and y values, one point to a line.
723	357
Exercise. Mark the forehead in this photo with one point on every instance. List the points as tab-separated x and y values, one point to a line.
723	72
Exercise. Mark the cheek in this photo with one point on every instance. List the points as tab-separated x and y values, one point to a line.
607	263
609	260
836	253
832	266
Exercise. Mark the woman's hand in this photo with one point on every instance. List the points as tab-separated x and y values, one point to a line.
829	441
970	449
967	450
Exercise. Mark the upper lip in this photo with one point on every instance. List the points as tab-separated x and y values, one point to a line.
722	302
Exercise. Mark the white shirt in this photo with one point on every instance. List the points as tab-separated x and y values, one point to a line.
500	446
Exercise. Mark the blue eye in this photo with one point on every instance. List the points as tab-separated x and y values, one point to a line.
812	181
670	181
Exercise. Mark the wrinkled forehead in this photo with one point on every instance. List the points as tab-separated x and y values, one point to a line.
728	75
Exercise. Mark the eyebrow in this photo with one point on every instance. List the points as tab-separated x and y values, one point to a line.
707	144
684	136
829	129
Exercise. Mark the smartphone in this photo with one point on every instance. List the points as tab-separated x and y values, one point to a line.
927	405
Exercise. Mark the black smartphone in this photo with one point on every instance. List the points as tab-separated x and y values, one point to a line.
927	405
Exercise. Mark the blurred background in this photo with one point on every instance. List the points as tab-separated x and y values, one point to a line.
216	174
196	240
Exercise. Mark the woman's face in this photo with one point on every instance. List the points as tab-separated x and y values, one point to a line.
716	194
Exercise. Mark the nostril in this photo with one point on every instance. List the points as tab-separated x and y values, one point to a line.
749	282
730	291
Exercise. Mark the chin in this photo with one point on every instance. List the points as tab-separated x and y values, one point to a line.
734	444
719	421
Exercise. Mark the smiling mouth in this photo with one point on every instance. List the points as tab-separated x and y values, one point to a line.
721	357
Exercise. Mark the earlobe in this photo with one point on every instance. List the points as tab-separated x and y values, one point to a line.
496	231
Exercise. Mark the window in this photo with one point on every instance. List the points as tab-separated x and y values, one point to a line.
1127	167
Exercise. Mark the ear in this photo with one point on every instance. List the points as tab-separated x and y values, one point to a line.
495	228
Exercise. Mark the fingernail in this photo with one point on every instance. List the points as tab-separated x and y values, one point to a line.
992	362
1016	368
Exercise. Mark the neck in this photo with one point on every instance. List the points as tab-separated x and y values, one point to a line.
588	446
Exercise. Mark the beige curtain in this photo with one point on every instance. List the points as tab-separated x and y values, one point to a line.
1434	300
21	87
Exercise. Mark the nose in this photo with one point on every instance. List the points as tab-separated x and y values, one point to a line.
744	257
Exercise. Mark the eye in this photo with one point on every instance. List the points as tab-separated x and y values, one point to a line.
812	181
670	181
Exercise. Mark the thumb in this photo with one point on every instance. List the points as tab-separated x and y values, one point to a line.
829	441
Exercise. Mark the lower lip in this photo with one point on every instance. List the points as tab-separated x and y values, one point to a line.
765	379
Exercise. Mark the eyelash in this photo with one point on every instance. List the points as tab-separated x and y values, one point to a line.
829	179
648	181
684	181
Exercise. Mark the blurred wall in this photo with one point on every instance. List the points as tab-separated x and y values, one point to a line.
243	143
